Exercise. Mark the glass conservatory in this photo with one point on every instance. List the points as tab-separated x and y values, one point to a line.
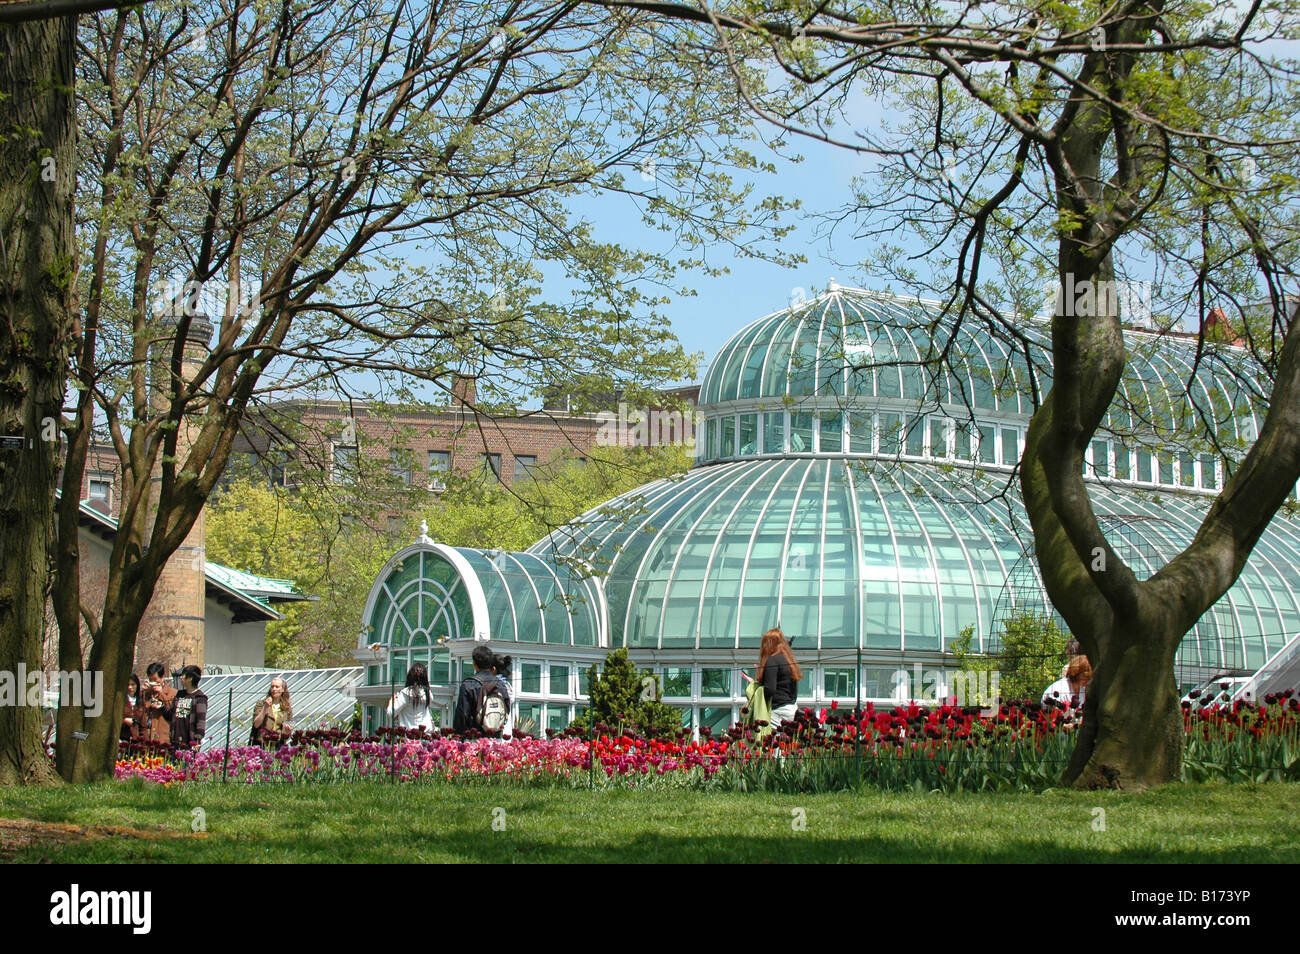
865	502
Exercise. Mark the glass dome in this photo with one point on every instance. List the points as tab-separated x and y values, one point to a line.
798	381
891	559
430	594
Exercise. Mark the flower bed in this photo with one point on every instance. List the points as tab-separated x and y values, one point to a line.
1020	747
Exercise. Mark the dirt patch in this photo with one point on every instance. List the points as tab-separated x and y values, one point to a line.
23	834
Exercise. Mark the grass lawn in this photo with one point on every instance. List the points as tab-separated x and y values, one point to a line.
442	822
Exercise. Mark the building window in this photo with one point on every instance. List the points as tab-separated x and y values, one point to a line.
839	684
1209	472
525	464
728	446
530	677
401	464
492	462
345	464
1010	446
716	683
939	437
439	469
801	432
277	468
774	432
560	681
832	433
890	425
101	490
988	444
915	439
1100	459
677	682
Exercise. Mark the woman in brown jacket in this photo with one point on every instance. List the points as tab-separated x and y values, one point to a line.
158	702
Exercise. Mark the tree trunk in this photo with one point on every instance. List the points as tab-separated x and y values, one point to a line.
37	265
1132	733
94	757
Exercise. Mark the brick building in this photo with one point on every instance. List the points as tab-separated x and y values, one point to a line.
429	447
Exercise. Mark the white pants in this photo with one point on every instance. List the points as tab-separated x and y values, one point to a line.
783	714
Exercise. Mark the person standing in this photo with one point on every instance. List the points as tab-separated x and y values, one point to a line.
189	711
271	716
135	718
482	703
779	674
158	698
412	706
501	669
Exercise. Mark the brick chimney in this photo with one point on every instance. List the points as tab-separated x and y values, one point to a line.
463	389
172	631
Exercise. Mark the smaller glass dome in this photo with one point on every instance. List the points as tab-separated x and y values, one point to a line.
429	594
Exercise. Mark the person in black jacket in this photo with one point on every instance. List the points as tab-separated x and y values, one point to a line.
472	689
779	674
188	712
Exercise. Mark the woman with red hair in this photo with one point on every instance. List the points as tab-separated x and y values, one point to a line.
779	674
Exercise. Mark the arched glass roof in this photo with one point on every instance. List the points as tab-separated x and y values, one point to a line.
900	558
860	348
429	593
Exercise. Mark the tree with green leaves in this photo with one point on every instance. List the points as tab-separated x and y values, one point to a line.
1089	144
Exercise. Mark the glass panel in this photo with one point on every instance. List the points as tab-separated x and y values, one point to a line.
774	432
584	682
748	434
890	425
677	682
839	684
530	677
1101	458
715	682
880	682
801	426
915	436
832	432
1145	473
1166	469
962	439
1209	478
717	719
938	437
525	464
727	447
560	681
528	717
1010	446
1186	470
988	444
439	464
557	717
1123	463
860	432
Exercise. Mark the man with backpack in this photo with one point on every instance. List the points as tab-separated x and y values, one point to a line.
483	703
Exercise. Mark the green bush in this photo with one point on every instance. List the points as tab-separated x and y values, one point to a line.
627	699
